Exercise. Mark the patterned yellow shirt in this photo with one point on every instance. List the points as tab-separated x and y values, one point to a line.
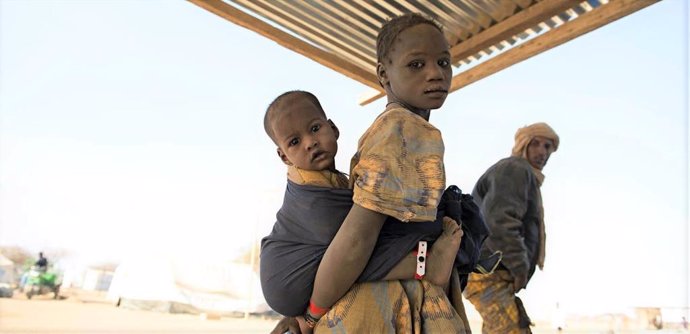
398	168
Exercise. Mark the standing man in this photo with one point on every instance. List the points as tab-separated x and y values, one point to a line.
509	196
42	262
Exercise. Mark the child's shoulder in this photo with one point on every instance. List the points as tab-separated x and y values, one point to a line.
395	113
396	118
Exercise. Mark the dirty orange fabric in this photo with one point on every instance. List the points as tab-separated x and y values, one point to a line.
398	168
322	178
493	297
404	307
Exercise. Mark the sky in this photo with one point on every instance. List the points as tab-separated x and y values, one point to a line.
130	128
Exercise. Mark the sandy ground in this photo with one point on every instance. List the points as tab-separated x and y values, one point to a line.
84	315
82	312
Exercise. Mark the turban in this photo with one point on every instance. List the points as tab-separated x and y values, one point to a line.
525	134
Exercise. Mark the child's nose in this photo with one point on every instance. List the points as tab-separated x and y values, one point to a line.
311	143
435	73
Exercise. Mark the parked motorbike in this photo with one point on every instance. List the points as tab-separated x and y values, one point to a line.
40	282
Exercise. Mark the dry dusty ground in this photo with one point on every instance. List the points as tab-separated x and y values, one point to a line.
83	312
72	315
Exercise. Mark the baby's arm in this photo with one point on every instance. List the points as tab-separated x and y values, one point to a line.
347	255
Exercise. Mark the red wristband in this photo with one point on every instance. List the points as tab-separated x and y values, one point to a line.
317	311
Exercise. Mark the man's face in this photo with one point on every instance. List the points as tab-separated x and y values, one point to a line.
417	71
538	151
305	138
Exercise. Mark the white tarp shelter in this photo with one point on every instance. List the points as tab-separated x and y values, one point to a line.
97	280
180	286
7	274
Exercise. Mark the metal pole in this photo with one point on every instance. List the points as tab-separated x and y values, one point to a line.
252	261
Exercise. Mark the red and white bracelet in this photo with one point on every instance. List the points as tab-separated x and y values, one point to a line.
421	260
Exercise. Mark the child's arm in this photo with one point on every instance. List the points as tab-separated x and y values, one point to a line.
352	246
379	157
347	255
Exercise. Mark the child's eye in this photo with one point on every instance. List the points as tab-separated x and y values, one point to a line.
315	128
445	62
293	142
416	64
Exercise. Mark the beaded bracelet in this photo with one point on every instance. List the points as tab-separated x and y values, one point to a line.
310	320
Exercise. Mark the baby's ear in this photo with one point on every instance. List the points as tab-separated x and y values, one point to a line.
335	129
382	75
283	157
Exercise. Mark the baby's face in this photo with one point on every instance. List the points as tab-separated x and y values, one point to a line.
418	68
305	138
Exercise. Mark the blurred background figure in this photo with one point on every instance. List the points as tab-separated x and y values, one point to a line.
42	262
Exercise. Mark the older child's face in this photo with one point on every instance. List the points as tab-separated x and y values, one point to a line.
418	71
306	139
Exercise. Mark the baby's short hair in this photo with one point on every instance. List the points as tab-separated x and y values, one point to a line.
277	103
391	29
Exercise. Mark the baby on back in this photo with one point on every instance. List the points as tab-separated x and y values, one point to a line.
317	200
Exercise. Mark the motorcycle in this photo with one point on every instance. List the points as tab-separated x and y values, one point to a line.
39	282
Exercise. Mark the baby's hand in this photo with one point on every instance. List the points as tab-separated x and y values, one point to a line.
287	324
303	326
442	253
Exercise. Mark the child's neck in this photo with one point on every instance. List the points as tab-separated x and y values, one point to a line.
424	113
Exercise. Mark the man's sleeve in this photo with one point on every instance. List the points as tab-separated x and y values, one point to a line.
504	206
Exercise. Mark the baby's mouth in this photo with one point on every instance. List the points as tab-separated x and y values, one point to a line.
317	155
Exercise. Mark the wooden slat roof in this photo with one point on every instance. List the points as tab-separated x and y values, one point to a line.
485	36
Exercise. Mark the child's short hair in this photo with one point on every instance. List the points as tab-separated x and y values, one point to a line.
391	29
278	102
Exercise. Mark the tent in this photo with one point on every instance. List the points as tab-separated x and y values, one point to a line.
7	271
179	286
7	277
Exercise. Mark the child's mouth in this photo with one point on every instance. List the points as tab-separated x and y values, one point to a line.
436	91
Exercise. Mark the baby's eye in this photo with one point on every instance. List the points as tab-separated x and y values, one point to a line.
293	142
416	64
315	128
445	62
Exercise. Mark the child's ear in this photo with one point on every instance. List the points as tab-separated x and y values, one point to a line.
382	75
335	129
283	157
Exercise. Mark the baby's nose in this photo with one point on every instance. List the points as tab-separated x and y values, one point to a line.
312	143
